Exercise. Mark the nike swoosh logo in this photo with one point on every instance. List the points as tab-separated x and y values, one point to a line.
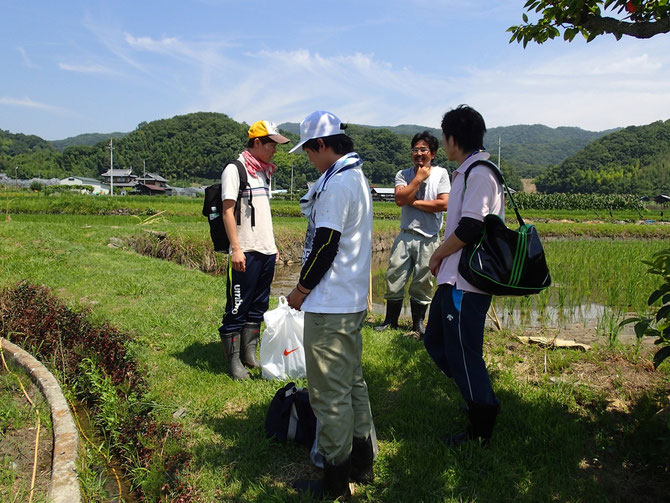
286	353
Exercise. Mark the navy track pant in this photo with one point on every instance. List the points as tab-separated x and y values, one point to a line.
248	292
454	339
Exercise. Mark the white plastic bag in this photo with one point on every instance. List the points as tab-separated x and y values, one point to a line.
282	351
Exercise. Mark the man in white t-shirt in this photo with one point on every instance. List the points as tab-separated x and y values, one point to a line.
332	290
423	193
454	335
253	253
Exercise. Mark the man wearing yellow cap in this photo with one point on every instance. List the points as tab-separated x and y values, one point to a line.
253	253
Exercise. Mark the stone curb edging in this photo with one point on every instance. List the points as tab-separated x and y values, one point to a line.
64	485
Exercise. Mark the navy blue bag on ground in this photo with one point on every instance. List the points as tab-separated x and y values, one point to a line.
290	416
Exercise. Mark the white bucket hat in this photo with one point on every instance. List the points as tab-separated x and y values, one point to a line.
317	125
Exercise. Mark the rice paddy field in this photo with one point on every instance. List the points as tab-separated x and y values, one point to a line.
574	426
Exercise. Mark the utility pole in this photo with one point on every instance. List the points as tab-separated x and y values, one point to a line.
16	176
291	182
499	159
111	166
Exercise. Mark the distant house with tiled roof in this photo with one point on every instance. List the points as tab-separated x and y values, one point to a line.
122	178
152	184
382	193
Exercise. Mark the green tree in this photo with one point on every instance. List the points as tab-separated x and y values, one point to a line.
632	160
634	18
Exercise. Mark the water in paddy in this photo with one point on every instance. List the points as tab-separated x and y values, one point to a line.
512	313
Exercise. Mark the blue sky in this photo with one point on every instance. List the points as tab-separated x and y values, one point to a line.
99	66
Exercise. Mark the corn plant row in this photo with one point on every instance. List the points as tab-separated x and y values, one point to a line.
605	202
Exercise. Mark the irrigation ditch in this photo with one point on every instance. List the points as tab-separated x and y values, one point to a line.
94	367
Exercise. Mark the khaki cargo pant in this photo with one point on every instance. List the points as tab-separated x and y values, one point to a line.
411	254
337	391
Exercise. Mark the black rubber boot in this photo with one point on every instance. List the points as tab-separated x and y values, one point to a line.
250	335
418	314
362	457
334	485
231	349
393	308
481	420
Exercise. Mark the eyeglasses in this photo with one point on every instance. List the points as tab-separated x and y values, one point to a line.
421	150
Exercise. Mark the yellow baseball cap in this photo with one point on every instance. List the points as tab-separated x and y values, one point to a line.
266	128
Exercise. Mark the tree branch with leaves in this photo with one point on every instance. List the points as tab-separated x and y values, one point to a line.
634	18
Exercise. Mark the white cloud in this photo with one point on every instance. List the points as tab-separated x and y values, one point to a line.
593	86
287	85
586	62
85	68
206	53
26	60
28	103
113	41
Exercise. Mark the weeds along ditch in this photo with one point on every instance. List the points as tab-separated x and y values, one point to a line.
92	363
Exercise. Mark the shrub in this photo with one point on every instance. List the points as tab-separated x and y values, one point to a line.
657	325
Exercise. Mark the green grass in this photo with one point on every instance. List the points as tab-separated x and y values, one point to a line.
547	431
24	201
17	414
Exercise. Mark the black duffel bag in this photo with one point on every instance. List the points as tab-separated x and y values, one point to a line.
504	261
290	416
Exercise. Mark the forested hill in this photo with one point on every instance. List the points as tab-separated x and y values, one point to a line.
195	147
531	149
632	160
87	139
186	147
12	144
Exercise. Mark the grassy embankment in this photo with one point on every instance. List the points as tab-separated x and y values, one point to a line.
558	438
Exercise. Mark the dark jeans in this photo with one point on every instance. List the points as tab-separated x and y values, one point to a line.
248	292
454	339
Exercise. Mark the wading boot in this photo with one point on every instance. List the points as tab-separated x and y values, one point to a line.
250	335
393	308
362	457
481	420
231	349
334	485
418	314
